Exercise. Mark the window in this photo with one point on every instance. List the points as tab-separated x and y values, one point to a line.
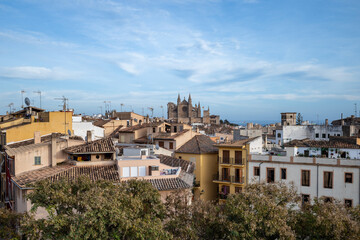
323	135
283	173
348	202
238	175
161	144
133	171
180	157
37	160
279	135
171	145
143	152
328	135
142	171
225	190
175	129
316	135
226	156
305	178
238	189
226	174
256	171
126	172
348	178
238	157
270	175
328	179
305	198
154	130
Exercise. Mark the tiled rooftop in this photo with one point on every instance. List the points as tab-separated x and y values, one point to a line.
101	122
197	145
168	136
104	145
137	127
186	166
95	173
237	143
338	142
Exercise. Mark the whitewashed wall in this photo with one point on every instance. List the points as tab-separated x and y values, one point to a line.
340	190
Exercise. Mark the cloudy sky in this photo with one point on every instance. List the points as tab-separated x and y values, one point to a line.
246	59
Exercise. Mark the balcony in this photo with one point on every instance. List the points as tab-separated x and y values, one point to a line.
225	160
237	179
218	178
239	162
231	161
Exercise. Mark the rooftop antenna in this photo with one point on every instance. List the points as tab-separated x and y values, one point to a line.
355	109
121	106
152	111
143	111
22	98
39	92
10	105
64	100
105	107
162	108
100	109
27	101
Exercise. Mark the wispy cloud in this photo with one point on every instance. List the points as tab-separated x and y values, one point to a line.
38	73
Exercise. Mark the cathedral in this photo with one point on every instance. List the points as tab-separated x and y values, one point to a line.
185	112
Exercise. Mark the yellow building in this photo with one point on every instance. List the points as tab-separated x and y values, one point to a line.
232	165
200	150
23	124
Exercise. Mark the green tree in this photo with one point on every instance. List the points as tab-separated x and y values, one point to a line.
327	220
262	211
299	119
8	224
198	220
96	210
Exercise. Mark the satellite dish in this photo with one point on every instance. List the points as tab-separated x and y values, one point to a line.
117	151
157	147
69	132
27	101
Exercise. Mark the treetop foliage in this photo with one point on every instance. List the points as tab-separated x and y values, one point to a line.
134	210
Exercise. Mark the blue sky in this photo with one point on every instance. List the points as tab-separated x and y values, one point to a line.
246	59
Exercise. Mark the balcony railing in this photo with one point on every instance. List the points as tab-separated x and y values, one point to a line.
239	161
231	161
229	179
236	179
216	177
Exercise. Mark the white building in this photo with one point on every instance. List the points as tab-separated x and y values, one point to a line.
314	132
313	177
80	128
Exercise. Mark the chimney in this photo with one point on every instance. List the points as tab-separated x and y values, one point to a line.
53	149
37	137
326	122
88	136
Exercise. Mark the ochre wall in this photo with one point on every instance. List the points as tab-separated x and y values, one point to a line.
56	124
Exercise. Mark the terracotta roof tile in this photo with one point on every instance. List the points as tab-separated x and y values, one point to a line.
338	142
139	126
101	122
197	145
104	145
237	143
186	166
167	136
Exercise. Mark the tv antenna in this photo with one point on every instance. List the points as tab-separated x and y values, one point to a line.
121	105
22	98
27	101
162	108
39	92
152	111
355	109
10	105
65	101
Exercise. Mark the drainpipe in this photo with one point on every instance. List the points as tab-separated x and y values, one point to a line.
317	180
260	171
